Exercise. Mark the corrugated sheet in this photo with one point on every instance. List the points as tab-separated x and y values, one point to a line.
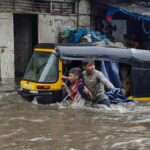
135	8
141	7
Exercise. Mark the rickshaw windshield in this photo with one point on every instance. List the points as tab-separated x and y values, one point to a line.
42	68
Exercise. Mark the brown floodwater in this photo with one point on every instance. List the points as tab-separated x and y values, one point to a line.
29	126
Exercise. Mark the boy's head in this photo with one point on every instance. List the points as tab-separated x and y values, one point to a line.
75	74
88	65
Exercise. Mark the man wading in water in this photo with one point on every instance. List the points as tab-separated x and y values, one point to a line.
95	82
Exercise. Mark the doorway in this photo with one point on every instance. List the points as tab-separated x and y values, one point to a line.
25	38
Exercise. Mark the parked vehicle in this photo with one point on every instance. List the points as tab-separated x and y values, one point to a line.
43	77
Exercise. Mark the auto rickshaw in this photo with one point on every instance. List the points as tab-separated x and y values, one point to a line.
43	77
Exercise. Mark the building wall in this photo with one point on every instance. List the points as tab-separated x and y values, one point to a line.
49	26
6	53
121	30
84	13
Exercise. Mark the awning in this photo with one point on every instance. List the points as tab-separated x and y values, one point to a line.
136	8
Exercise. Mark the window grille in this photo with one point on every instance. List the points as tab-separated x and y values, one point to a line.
37	6
63	7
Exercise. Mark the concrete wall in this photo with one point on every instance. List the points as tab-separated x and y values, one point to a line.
50	25
7	53
121	29
84	13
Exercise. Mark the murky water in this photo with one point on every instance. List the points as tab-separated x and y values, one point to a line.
27	126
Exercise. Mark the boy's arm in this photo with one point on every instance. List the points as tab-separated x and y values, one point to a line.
67	89
65	77
88	92
105	81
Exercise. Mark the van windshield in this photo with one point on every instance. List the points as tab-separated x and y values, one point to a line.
42	68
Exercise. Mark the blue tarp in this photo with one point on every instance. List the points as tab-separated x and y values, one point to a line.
111	72
77	34
115	97
113	10
74	35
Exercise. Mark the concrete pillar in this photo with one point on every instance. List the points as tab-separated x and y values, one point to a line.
6	48
46	29
84	13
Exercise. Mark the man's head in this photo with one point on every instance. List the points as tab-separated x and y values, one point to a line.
88	65
75	74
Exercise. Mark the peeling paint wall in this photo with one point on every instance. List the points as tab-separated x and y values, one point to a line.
49	25
84	13
6	53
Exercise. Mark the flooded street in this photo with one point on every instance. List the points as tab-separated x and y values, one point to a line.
28	126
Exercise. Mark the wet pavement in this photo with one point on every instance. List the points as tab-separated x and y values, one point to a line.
29	126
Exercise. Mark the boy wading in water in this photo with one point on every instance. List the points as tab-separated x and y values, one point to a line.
95	82
77	91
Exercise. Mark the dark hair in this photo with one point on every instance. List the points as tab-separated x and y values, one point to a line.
88	61
76	71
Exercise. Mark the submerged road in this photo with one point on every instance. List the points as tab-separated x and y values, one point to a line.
28	126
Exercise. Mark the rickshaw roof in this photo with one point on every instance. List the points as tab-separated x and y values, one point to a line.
80	52
46	45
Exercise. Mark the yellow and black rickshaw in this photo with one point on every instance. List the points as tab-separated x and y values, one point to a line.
43	77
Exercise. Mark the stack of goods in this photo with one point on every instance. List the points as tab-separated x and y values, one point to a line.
86	35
